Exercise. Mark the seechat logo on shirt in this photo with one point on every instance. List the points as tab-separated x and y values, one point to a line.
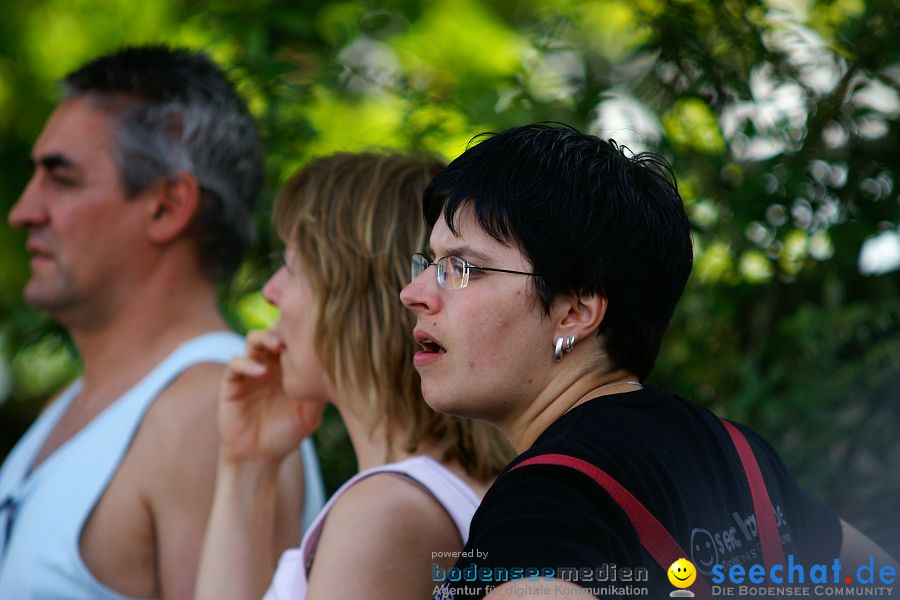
818	580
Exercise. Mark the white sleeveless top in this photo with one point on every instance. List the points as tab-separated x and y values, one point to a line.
290	580
42	512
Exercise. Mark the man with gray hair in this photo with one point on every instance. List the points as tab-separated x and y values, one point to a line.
145	177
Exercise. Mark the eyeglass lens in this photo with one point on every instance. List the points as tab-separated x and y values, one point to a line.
452	271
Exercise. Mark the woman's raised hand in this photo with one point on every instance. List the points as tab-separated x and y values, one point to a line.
257	420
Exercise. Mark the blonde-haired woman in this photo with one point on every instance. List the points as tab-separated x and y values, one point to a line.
349	223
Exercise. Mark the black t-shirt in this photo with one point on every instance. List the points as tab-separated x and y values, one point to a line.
677	459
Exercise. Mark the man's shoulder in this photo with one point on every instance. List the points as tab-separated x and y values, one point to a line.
193	391
178	438
198	365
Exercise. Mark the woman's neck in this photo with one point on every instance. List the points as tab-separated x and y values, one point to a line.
561	396
374	447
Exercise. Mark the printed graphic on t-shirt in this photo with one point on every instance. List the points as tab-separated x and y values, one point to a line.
736	544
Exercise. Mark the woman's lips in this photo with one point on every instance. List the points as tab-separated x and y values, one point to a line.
430	349
423	358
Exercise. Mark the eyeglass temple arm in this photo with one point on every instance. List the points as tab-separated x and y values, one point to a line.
501	270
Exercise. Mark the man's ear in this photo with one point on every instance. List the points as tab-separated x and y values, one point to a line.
579	315
174	204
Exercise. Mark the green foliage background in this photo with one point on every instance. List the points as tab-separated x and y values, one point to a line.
780	117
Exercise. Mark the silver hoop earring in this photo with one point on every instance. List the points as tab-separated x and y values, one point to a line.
557	353
570	343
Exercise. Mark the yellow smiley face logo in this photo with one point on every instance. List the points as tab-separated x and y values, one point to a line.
682	573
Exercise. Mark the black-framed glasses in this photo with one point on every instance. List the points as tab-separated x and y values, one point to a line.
453	271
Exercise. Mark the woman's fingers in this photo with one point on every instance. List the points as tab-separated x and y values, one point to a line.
243	366
263	346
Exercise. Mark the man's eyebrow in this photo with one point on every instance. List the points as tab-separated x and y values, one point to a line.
51	162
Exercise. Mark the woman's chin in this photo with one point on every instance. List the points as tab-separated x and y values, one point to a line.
437	403
447	405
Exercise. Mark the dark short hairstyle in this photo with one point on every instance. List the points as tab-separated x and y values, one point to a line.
176	111
590	218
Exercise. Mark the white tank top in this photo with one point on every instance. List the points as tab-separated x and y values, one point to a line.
42	512
290	580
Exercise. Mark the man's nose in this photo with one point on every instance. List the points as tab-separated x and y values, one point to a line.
29	209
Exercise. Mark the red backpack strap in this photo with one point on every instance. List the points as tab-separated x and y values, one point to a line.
769	539
655	538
